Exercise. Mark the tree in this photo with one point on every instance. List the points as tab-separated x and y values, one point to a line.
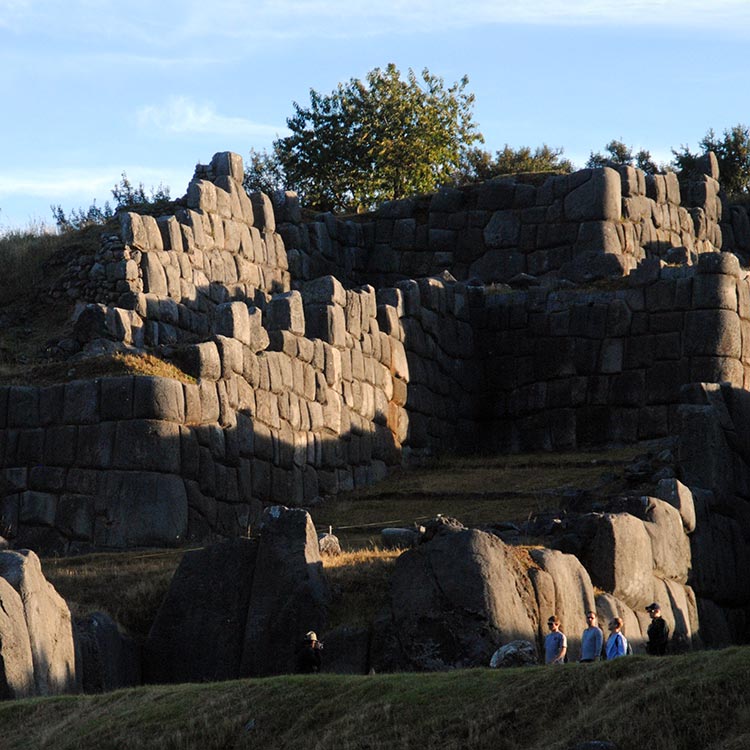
732	152
264	173
618	154
126	196
377	139
479	165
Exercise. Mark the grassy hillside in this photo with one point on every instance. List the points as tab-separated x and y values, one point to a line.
699	701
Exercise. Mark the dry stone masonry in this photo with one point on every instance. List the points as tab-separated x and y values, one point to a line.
535	312
315	382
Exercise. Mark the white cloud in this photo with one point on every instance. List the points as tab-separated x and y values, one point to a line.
182	115
56	182
170	23
351	18
85	184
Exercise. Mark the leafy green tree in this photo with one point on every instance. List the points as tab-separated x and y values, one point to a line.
618	154
126	196
264	173
479	165
732	152
377	139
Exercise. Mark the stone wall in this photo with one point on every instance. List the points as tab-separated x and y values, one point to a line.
276	415
574	367
590	224
715	463
319	389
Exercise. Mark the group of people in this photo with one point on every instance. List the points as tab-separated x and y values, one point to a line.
593	647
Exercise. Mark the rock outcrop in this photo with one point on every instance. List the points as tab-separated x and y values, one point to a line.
17	666
43	614
107	659
198	631
289	594
453	600
241	607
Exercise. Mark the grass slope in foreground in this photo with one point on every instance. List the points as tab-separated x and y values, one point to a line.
699	701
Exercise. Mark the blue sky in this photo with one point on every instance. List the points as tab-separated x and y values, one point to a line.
89	89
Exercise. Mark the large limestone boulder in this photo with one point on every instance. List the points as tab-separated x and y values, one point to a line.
16	664
109	659
573	593
289	592
670	545
346	650
48	622
452	602
720	555
715	629
619	559
199	629
680	609
674	492
515	654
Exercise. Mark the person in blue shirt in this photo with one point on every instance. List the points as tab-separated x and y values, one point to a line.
617	644
555	644
591	640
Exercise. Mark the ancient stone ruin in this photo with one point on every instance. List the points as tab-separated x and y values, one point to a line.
535	312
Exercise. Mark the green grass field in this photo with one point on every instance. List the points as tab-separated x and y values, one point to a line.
694	702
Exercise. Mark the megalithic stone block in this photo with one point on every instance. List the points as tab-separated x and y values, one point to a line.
48	621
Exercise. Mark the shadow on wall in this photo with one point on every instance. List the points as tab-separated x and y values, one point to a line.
714	457
146	481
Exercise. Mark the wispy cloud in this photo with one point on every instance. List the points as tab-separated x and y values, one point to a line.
57	182
351	18
170	22
84	184
182	115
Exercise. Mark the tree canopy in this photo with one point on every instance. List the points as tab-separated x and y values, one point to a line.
126	196
618	154
372	140
732	152
479	165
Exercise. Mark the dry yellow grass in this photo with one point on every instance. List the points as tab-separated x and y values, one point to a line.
476	490
129	586
93	367
359	580
23	254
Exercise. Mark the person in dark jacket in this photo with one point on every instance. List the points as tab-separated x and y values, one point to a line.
658	631
308	654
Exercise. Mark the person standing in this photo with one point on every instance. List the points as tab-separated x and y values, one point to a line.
591	640
658	631
308	654
617	644
555	644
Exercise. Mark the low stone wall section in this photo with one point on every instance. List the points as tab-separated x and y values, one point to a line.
589	224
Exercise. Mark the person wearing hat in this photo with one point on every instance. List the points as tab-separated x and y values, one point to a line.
308	655
555	644
658	631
